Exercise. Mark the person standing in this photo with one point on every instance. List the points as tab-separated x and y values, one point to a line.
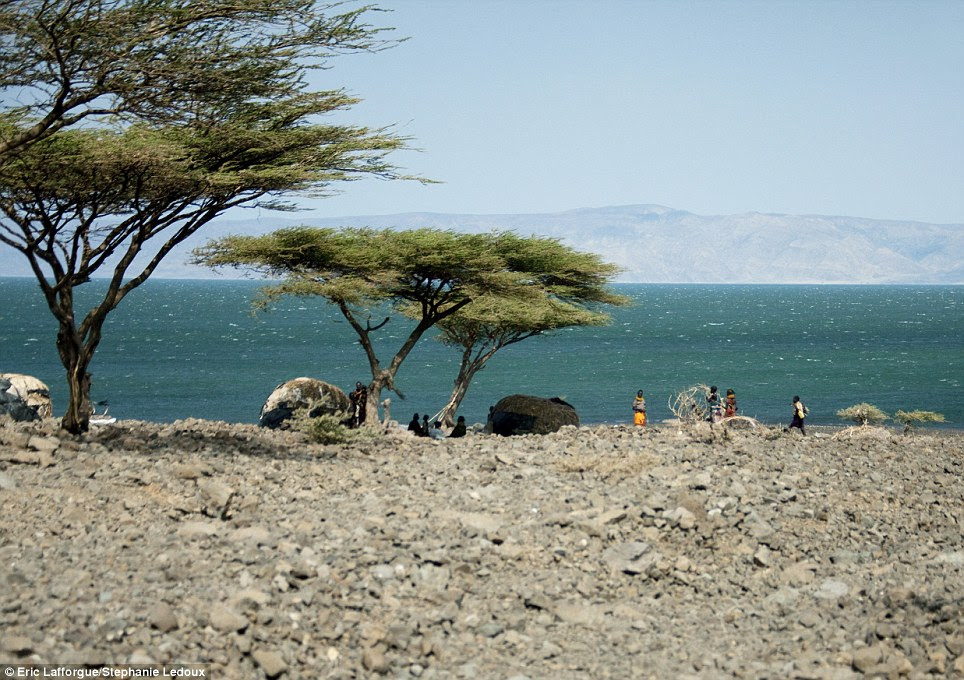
358	400
639	410
730	404
799	413
714	406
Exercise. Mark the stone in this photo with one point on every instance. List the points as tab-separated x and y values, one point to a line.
799	573
484	523
303	393
524	414
271	662
196	529
374	660
611	517
29	391
680	517
578	612
383	572
761	557
226	619
832	589
866	658
43	444
17	644
490	630
11	404
634	557
162	617
256	535
7	482
215	495
190	470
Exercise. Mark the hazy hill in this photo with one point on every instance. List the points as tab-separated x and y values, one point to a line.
662	245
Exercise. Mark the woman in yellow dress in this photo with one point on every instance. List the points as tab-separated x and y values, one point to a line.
639	410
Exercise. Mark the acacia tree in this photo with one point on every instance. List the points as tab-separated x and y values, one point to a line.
64	62
565	288
120	197
483	328
427	275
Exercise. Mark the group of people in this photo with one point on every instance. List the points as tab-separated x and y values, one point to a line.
718	409
422	428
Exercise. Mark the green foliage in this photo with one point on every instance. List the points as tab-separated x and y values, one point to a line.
330	429
863	414
360	266
129	125
323	429
483	290
562	288
910	418
168	62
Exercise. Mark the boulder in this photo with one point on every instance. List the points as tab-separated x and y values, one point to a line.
24	398
303	393
524	414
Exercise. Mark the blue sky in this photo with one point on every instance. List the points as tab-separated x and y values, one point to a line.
519	106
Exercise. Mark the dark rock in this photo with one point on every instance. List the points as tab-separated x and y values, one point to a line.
524	414
303	393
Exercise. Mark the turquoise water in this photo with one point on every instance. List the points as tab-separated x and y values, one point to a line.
179	349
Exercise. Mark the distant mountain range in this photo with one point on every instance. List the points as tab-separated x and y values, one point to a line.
655	244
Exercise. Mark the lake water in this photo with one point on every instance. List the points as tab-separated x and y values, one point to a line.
177	349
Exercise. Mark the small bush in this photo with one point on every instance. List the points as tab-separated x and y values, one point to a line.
910	418
324	429
863	414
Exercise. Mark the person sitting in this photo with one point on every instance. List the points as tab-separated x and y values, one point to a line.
435	431
415	426
459	429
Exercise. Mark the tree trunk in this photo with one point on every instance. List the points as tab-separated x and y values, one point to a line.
458	394
76	359
467	370
371	401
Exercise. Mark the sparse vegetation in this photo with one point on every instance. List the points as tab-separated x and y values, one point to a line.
910	418
863	414
689	405
609	466
329	429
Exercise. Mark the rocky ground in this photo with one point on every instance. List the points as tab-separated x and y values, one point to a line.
589	553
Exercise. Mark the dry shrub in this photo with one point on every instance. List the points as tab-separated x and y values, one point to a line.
741	422
863	432
608	465
689	405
